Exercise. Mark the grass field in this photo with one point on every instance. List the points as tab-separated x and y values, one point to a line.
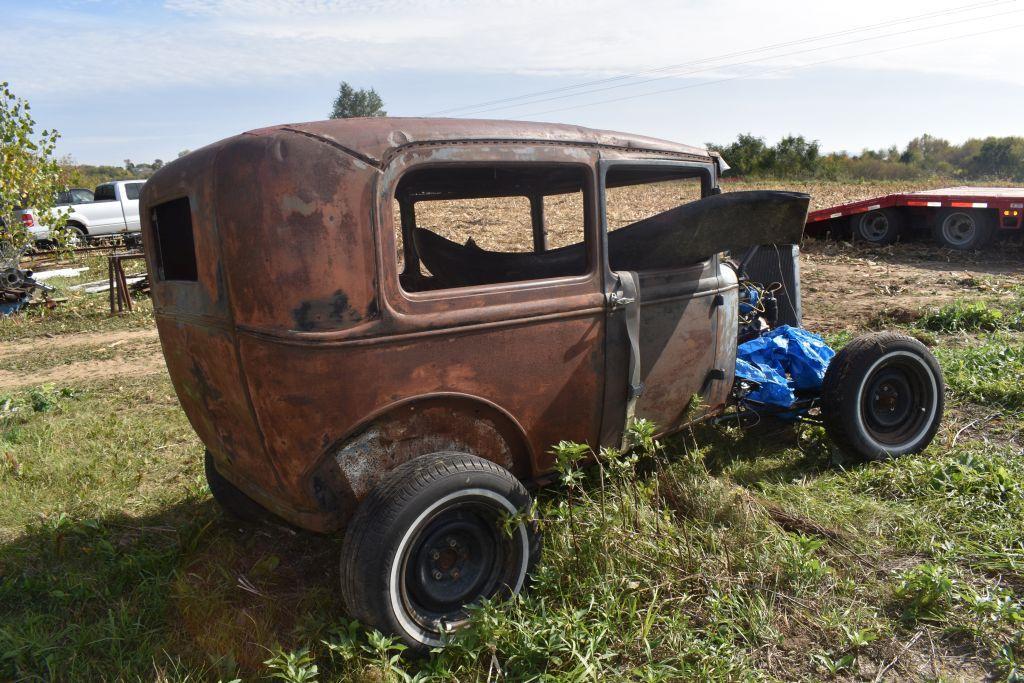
720	554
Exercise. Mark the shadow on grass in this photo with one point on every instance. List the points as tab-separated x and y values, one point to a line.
771	451
184	590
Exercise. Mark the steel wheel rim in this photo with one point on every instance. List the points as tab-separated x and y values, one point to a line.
478	566
959	228
895	401
874	226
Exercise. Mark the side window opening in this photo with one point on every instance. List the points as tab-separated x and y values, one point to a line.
175	241
132	190
648	210
104	193
460	226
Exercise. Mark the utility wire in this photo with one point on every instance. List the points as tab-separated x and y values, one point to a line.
671	67
778	70
743	63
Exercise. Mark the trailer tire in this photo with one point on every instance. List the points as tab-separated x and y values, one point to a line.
964	229
881	226
882	396
436	534
231	498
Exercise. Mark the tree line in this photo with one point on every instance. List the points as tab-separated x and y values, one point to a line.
990	158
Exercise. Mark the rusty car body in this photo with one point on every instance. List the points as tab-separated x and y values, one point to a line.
316	348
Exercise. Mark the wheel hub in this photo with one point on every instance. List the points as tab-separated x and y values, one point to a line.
455	563
875	227
958	228
894	400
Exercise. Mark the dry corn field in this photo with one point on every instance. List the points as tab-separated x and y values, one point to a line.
503	224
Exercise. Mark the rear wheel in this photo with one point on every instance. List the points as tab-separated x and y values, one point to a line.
230	497
881	226
964	229
882	396
436	535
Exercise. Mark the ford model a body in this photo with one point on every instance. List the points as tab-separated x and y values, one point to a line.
384	325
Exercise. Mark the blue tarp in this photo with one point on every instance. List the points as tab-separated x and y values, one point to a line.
781	361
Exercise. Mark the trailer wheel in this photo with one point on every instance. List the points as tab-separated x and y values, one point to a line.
231	498
882	396
964	229
881	226
436	535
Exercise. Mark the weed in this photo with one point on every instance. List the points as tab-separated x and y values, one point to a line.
293	667
925	591
964	316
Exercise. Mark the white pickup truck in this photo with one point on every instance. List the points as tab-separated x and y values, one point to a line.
113	209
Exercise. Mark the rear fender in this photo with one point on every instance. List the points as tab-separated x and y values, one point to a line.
415	427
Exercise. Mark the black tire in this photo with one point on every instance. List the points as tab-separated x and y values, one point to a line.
77	236
428	540
231	498
964	229
883	396
881	226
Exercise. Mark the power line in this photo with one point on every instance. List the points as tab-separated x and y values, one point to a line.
743	63
919	17
776	70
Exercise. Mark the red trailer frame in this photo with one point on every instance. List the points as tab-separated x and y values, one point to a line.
1003	204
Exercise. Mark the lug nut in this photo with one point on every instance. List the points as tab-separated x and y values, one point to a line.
452	543
437	575
435	555
455	574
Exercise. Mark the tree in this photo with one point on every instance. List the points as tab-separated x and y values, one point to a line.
351	103
998	158
30	175
745	156
794	156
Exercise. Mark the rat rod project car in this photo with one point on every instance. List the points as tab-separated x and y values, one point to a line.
382	326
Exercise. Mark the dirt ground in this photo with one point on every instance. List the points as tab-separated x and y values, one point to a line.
845	287
848	287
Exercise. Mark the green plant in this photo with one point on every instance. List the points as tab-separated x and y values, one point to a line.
293	667
964	316
926	592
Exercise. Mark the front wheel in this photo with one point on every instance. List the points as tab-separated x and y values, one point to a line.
436	535
882	396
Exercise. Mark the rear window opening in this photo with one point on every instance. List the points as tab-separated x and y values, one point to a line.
460	226
175	243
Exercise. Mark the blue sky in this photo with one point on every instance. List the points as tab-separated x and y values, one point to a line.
144	80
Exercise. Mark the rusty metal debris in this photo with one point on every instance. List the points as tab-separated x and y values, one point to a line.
17	286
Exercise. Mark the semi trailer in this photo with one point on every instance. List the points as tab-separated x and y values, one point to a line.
962	218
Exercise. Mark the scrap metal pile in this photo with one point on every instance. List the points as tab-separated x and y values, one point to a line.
17	286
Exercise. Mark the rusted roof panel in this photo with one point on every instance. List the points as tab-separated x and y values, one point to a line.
376	139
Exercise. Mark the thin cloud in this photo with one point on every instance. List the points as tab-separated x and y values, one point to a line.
220	42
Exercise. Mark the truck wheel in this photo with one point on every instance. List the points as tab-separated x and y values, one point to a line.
882	396
437	534
881	226
964	229
230	497
77	236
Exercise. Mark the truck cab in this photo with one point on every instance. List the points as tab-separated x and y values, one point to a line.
111	209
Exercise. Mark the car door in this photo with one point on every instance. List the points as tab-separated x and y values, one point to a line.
663	323
105	214
130	206
532	345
